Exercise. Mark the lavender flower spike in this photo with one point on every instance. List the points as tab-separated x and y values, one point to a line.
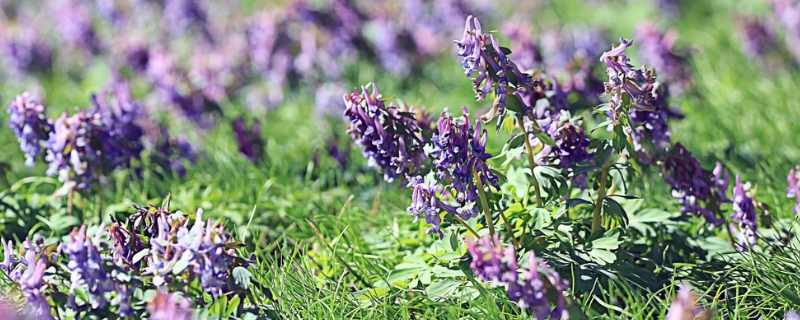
31	284
471	45
30	124
169	306
744	212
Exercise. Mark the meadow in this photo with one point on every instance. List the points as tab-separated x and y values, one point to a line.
338	159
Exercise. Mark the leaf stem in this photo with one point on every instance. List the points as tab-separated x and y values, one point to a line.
510	229
532	164
484	202
464	223
601	194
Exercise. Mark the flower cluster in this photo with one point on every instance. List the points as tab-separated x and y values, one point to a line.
30	124
571	145
528	287
171	250
87	145
692	185
391	135
788	14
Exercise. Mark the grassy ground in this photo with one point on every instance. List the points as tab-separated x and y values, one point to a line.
325	238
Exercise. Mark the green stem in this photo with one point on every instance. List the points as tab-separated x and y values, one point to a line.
510	229
484	203
601	194
464	223
99	201
532	164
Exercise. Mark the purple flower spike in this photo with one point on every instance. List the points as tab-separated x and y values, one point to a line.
30	124
9	259
87	268
32	284
423	200
571	145
623	78
744	213
696	189
471	45
793	191
391	137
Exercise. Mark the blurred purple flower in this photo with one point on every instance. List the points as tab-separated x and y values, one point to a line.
571	145
172	152
121	117
30	124
87	268
684	306
24	51
250	142
793	191
657	49
73	150
169	306
758	39
32	286
74	23
787	12
492	262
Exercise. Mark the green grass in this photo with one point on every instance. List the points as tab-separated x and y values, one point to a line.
739	115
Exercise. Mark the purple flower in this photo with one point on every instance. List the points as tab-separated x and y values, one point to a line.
571	145
758	39
169	306
391	136
250	142
32	286
471	46
120	119
172	152
744	212
638	84
30	124
788	14
657	49
87	268
793	191
74	148
24	51
122	300
696	189
9	258
493	263
684	306
424	201
460	148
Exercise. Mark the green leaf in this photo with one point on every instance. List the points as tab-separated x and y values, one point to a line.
615	211
514	104
180	266
443	289
608	243
140	255
602	154
545	138
401	275
602	257
574	202
241	277
233	303
165	202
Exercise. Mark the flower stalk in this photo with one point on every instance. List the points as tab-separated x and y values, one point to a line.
532	164
484	202
597	218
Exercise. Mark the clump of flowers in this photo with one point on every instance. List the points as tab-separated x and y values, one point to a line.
392	136
154	248
29	122
528	287
699	192
169	306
